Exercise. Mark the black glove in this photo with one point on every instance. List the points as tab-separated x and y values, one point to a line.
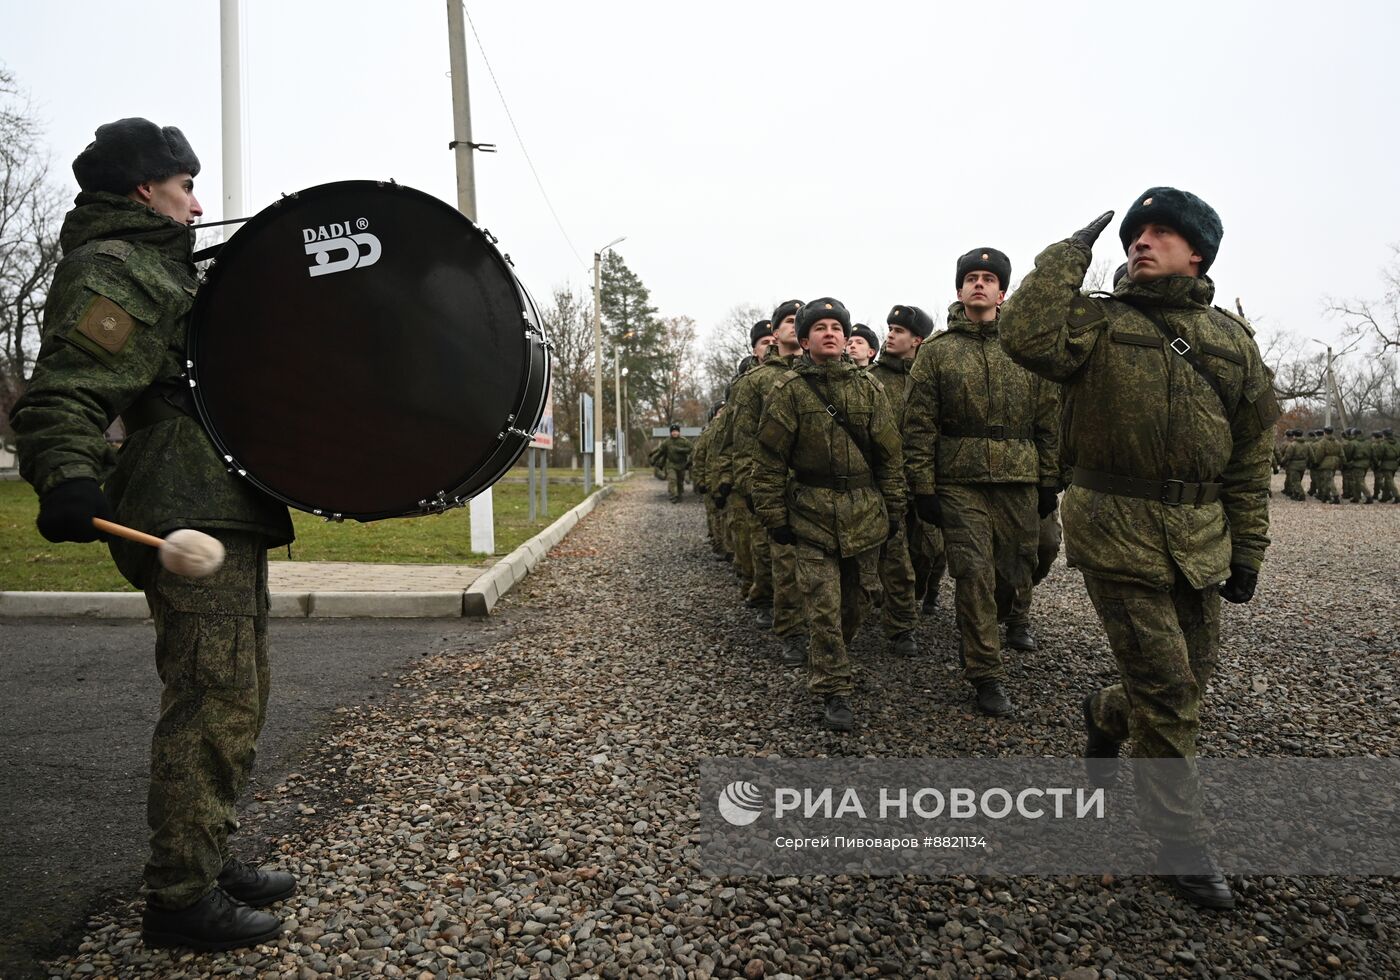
723	489
1089	234
782	535
719	500
896	528
748	501
929	509
701	488
1046	500
1239	587
66	511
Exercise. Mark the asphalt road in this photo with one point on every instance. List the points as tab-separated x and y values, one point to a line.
78	701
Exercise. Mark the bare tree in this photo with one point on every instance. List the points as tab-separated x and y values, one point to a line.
676	364
724	347
1298	374
568	323
30	213
1380	319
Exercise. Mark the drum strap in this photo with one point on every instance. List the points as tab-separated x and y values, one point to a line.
163	400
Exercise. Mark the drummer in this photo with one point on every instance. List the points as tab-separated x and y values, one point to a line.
114	345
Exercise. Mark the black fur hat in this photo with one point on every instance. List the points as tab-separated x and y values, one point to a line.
761	329
861	330
985	260
131	151
745	363
821	309
911	318
792	307
1182	211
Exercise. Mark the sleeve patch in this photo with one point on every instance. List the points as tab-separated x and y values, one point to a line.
107	325
1084	311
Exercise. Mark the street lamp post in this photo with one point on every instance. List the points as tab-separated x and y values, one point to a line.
598	356
617	409
1329	382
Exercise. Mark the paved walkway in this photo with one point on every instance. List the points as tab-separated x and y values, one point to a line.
344	576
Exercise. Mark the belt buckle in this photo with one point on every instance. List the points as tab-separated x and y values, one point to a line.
1180	492
843	484
996	432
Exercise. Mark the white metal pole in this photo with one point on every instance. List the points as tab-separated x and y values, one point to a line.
1331	386
617	410
483	516
598	367
231	89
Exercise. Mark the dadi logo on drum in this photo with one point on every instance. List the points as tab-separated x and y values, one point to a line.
338	248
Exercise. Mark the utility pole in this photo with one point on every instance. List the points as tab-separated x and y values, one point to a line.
231	106
617	414
1331	389
598	366
483	516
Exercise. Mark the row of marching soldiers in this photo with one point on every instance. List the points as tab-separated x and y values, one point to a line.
1320	454
1151	406
845	455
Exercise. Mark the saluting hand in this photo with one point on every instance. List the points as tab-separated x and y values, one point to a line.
1089	234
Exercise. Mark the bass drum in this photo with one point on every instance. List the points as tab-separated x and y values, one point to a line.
362	350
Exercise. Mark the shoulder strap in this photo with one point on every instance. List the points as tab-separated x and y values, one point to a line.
1182	349
839	419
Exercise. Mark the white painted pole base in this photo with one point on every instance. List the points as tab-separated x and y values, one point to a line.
483	515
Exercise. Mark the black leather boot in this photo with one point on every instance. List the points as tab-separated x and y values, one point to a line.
992	699
215	922
794	651
1020	637
904	644
1100	750
1193	874
836	714
256	886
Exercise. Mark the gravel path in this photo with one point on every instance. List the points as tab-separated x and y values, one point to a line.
526	805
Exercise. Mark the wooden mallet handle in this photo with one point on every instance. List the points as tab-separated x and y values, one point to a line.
121	531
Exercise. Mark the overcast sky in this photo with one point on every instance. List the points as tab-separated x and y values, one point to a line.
757	151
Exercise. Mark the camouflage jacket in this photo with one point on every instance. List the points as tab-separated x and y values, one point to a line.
1294	455
1356	454
893	373
1385	455
746	401
677	452
114	331
700	455
1326	453
963	388
1133	407
799	440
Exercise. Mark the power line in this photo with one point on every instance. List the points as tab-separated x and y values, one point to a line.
520	139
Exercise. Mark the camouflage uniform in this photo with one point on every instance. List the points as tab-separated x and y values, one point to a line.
114	345
1385	455
1329	459
1356	460
1151	566
1295	461
810	476
699	473
677	459
981	432
657	458
1310	444
742	536
775	568
898	580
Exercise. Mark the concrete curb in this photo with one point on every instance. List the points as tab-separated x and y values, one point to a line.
481	596
477	600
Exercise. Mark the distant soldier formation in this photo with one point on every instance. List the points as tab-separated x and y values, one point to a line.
1319	454
843	478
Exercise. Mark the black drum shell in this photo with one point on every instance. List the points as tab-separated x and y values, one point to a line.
359	392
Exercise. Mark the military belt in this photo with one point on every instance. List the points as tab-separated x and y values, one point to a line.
841	484
1173	493
998	432
156	404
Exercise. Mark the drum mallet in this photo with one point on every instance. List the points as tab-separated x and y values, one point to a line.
186	552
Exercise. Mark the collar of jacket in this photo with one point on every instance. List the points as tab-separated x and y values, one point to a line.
99	216
837	369
957	320
899	365
1169	291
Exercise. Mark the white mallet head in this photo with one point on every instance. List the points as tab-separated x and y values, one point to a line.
191	554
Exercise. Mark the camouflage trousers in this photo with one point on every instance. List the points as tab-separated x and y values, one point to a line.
900	611
1354	485
1047	549
1293	482
761	557
928	555
675	482
836	595
211	655
990	532
1325	486
1167	645
742	525
714	526
788	606
1385	485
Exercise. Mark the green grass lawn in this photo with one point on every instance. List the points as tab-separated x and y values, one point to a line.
28	563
